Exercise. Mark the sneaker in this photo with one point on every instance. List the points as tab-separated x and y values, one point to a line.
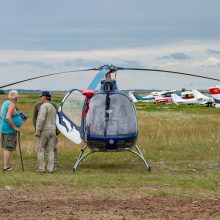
8	169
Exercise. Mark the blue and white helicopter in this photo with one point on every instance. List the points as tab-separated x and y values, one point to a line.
104	119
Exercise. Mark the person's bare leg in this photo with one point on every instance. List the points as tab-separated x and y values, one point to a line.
7	158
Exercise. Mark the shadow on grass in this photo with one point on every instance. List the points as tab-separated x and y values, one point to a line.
112	167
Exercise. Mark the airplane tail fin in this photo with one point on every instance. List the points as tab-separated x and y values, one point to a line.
131	95
137	96
176	99
215	93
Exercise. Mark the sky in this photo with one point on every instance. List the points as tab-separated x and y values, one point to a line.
47	36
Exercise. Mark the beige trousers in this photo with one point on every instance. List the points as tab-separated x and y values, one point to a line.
45	144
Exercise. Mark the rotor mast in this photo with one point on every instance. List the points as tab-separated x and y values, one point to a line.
112	69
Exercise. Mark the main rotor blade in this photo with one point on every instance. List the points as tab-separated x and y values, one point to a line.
168	71
41	76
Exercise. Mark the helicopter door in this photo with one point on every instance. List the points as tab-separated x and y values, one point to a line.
69	116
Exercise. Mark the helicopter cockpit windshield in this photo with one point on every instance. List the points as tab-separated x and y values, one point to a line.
110	114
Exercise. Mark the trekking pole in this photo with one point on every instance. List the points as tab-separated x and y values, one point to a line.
19	145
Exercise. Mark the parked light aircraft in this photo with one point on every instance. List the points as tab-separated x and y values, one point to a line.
215	93
156	96
193	98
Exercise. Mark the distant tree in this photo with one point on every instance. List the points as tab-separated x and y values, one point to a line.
2	92
183	89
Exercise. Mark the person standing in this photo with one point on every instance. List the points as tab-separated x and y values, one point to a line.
46	133
34	118
10	125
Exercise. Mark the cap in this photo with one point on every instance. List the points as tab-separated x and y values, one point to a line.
45	93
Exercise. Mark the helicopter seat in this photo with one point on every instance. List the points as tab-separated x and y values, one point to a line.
88	94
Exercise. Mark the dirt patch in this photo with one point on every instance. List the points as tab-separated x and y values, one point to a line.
20	204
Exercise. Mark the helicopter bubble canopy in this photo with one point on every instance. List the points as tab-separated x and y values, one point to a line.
69	115
110	114
111	122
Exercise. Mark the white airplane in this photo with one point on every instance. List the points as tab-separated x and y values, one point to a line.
156	96
215	93
192	98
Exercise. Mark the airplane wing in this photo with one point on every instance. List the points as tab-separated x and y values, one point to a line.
201	98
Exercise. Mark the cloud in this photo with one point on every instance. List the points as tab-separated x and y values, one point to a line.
73	63
211	51
79	62
176	56
128	63
29	63
2	64
132	53
169	64
32	63
208	63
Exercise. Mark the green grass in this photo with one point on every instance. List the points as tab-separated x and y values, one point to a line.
120	174
188	109
180	142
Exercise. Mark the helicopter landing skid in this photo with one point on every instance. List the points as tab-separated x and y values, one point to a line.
138	152
83	155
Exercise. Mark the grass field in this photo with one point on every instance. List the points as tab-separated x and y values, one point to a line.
181	143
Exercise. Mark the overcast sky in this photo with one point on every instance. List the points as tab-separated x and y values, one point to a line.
46	36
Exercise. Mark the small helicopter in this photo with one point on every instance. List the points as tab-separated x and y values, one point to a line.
104	119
